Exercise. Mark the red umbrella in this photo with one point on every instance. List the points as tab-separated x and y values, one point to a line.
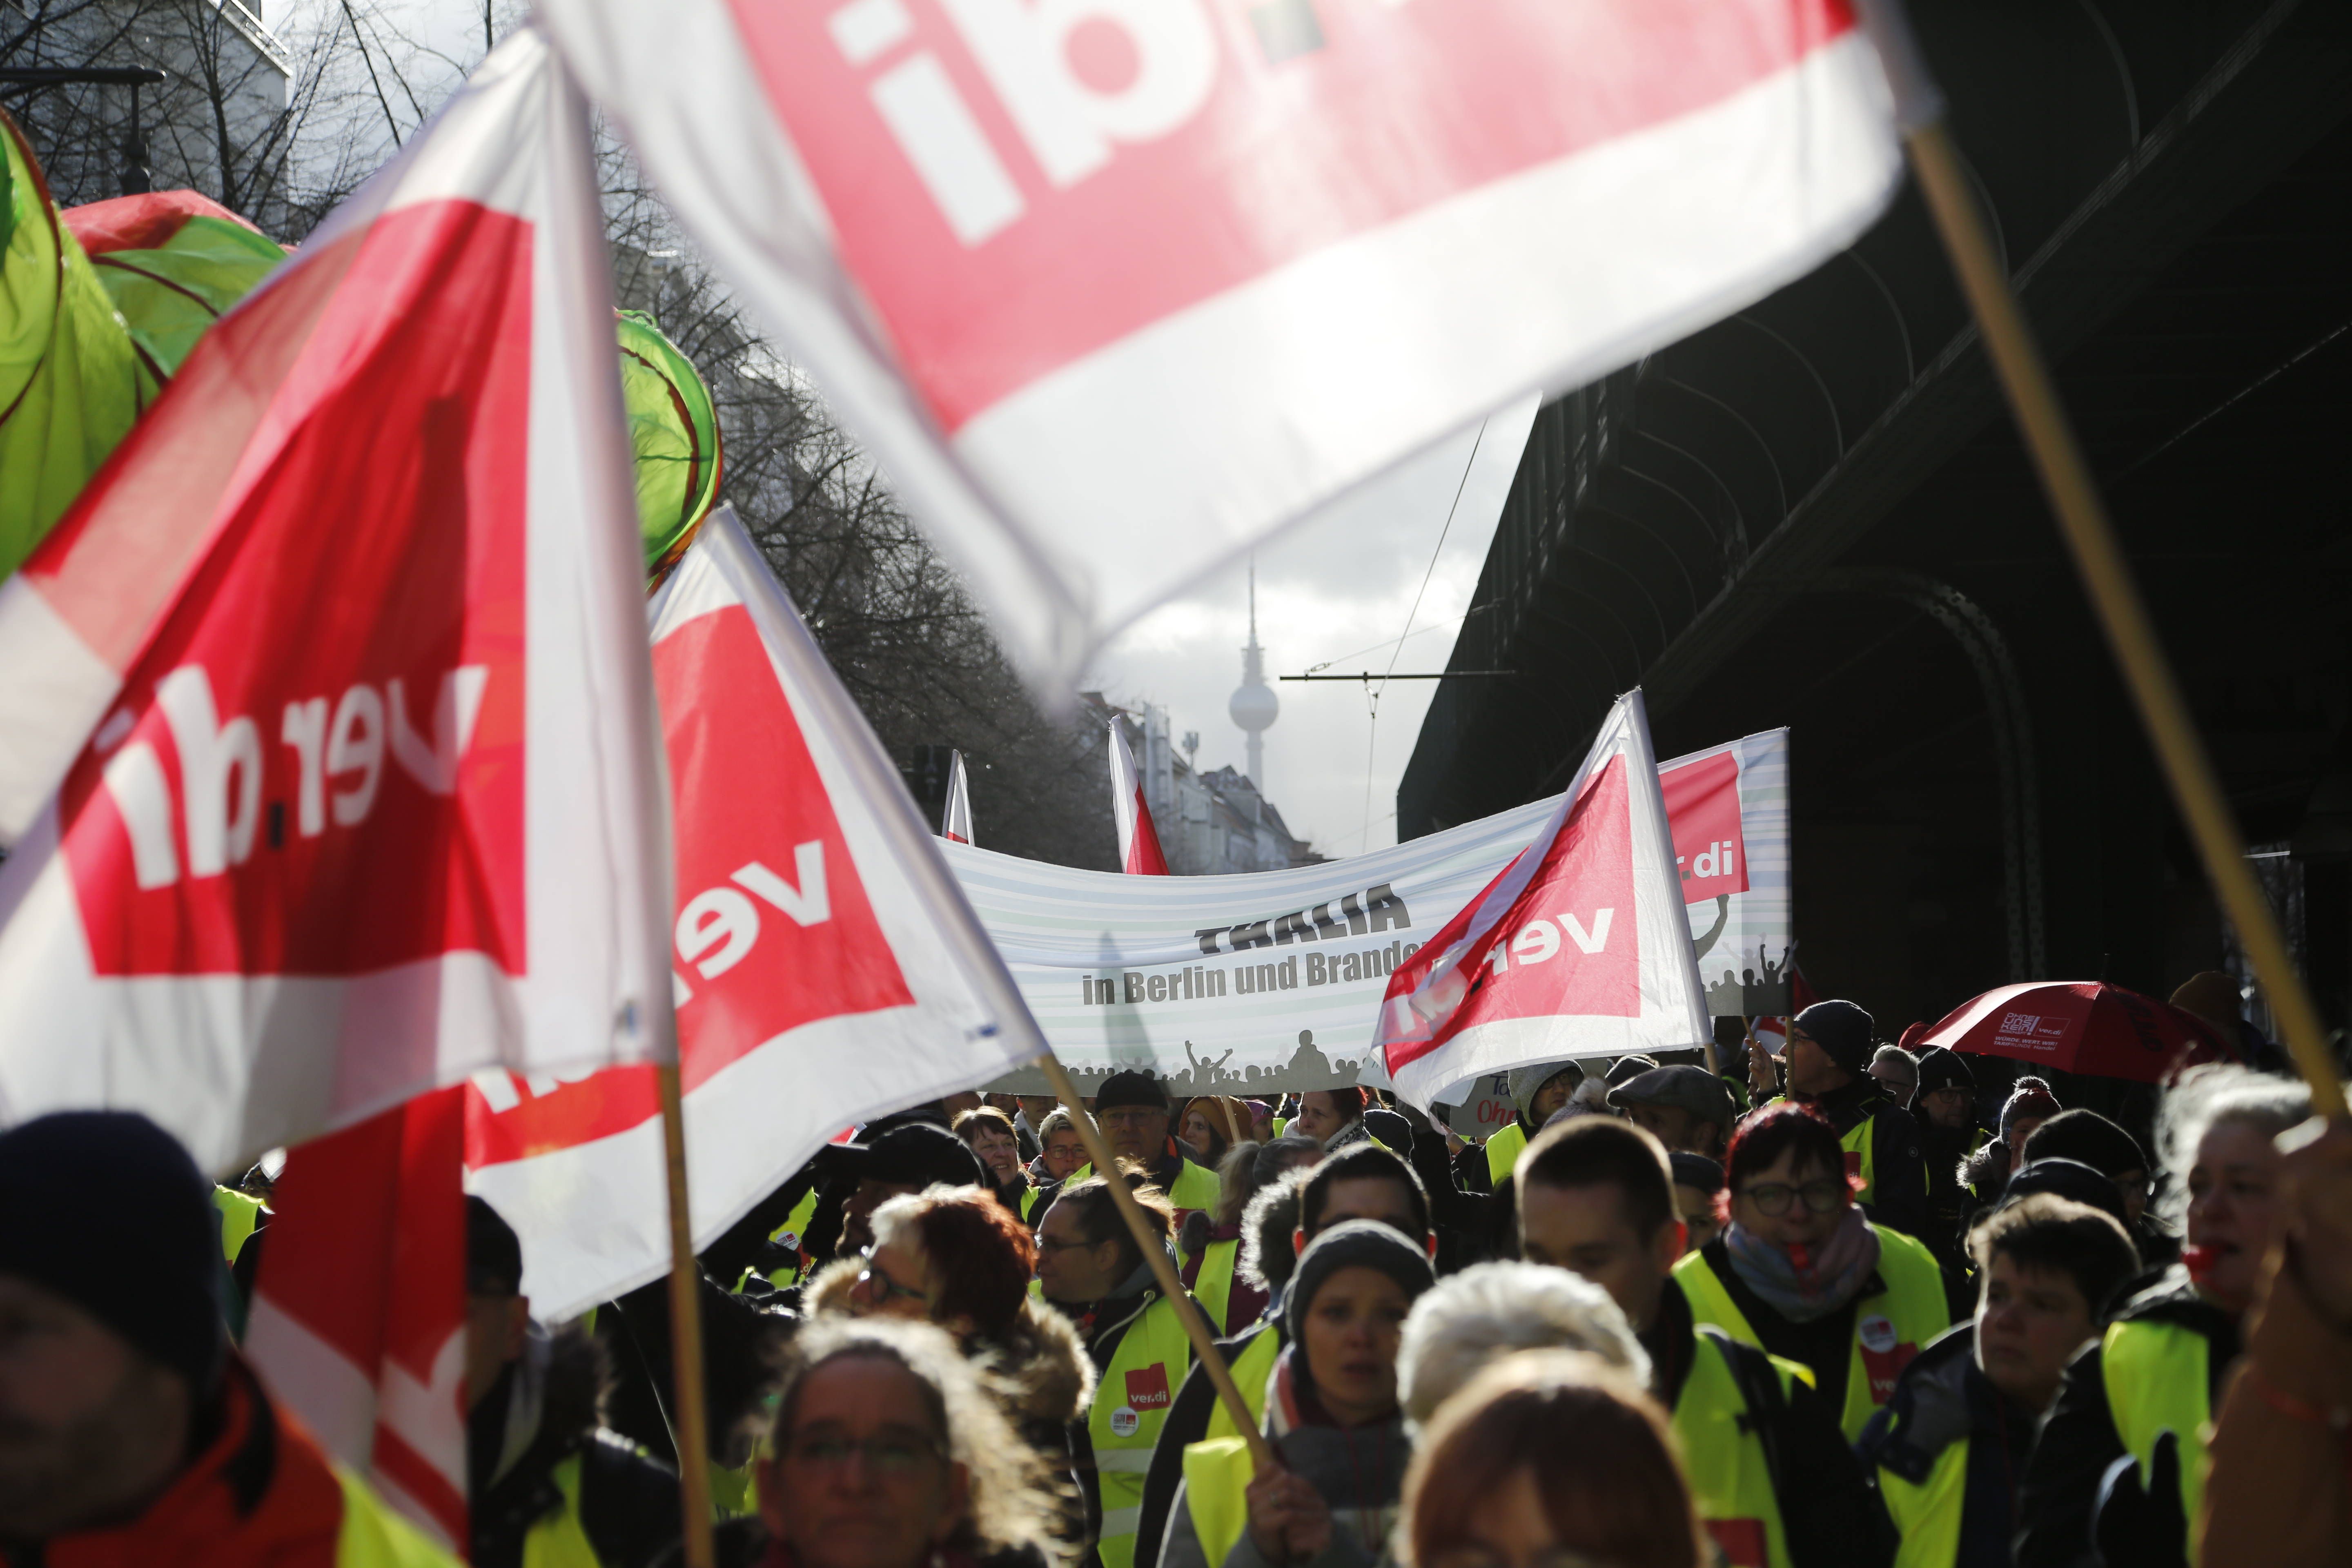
2083	1027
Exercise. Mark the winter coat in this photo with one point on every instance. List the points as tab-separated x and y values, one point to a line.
544	1410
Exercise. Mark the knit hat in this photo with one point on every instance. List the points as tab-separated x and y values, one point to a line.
1843	1030
2032	1096
1132	1088
1696	1171
1523	1084
1352	1243
1942	1069
2068	1179
2087	1136
107	1210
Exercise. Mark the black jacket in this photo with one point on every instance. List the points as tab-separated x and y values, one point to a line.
629	1503
1829	1510
2059	1494
1898	1156
1942	1398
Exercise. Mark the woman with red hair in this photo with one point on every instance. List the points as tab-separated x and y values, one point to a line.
1801	1272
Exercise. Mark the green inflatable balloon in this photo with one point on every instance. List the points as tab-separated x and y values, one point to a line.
100	304
70	383
673	432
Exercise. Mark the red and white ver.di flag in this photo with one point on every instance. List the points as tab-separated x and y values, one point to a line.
826	964
358	1316
1114	288
1580	948
1138	839
326	721
956	820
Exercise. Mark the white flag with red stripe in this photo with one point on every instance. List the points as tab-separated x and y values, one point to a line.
955	821
1138	839
326	723
826	966
1579	947
358	1316
1114	287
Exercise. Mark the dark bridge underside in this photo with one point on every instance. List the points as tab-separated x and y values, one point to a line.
1816	514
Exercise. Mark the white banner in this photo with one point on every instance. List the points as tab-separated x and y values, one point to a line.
1272	981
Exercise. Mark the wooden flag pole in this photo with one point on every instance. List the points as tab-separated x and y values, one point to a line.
692	1425
2107	578
1163	1267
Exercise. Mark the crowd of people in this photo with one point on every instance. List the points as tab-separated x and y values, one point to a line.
1844	1305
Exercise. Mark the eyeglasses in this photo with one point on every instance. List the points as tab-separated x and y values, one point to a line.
1043	1245
893	1453
1821	1197
873	1273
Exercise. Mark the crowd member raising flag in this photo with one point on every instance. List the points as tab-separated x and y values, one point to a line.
1138	839
1163	264
326	719
1580	948
826	964
955	823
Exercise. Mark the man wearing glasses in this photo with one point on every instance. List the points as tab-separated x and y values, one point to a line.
1770	1471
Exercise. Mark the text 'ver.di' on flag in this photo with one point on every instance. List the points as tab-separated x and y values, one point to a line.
358	1315
326	719
1579	947
1115	287
826	964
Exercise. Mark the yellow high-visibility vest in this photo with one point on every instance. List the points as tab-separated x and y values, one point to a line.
1890	1326
557	1539
372	1536
240	1216
1131	1403
1928	1514
1502	1152
2157	1378
1723	1456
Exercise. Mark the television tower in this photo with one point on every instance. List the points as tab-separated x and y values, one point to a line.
1253	705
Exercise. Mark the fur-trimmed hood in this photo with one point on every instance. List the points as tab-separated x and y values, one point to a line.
1046	1366
1041	1366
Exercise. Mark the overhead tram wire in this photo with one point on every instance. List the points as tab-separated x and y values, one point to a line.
1371	698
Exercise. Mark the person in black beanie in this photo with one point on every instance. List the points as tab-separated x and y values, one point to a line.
1829	1055
1946	1108
1331	1414
2107	1148
130	1430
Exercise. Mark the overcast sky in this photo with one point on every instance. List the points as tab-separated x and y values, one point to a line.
1337	588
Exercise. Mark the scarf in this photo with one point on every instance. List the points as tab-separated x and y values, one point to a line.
1802	1283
